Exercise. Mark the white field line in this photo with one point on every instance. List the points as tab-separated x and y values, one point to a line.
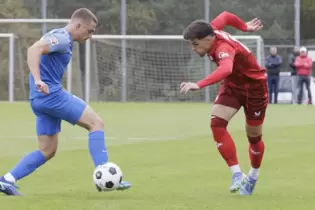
116	142
155	138
107	137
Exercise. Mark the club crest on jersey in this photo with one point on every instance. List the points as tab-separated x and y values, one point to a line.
223	55
53	41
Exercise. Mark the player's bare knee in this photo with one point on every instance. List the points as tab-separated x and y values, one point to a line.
48	150
90	120
253	130
48	154
48	146
96	124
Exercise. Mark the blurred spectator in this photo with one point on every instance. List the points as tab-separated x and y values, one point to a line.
303	64
292	57
273	63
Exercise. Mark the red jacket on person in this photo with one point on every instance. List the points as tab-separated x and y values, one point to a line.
303	65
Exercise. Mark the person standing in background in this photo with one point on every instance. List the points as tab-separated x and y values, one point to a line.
292	57
273	63
303	64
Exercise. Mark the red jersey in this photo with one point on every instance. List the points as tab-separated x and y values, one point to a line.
235	62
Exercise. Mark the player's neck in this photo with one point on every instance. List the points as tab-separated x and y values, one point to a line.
70	30
211	43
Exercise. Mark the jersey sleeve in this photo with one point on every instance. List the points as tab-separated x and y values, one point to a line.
57	42
224	54
228	19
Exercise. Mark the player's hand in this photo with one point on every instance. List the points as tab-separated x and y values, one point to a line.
188	86
254	25
42	87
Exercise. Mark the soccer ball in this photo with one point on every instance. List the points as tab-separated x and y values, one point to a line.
107	177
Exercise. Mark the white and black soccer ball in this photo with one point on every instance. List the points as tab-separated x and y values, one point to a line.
107	177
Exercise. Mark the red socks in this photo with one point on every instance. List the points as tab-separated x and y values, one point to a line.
226	146
224	141
256	151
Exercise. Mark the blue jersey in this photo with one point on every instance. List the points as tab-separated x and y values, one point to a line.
54	64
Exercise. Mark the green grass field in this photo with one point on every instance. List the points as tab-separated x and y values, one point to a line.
167	152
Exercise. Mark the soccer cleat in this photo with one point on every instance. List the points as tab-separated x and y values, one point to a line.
237	180
8	188
124	185
248	186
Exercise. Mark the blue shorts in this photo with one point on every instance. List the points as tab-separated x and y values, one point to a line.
50	110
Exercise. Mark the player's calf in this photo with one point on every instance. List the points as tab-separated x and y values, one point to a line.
95	125
221	114
256	148
256	152
97	147
224	141
30	162
227	149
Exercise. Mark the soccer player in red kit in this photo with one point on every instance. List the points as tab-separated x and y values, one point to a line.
244	85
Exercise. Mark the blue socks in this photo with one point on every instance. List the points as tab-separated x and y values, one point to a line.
28	164
97	148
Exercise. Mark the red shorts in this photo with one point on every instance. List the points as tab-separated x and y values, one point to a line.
253	97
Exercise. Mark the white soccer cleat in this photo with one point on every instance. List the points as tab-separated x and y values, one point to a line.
237	180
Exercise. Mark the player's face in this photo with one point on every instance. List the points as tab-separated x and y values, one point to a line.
85	31
201	46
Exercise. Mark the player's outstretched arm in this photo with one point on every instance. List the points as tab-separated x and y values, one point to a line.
230	19
225	55
223	70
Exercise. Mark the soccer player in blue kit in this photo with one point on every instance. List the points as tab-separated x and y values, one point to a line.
48	59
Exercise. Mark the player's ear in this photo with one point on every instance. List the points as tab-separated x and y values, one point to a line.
209	38
78	26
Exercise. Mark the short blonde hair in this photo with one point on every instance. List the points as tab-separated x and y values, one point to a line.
84	14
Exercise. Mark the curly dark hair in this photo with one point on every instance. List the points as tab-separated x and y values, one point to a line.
198	29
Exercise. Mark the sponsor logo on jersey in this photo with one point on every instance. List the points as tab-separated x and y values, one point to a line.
223	55
53	41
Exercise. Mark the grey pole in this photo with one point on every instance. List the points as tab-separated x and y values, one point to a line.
297	23
206	59
123	51
44	16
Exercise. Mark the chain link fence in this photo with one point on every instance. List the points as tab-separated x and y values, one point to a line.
162	65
